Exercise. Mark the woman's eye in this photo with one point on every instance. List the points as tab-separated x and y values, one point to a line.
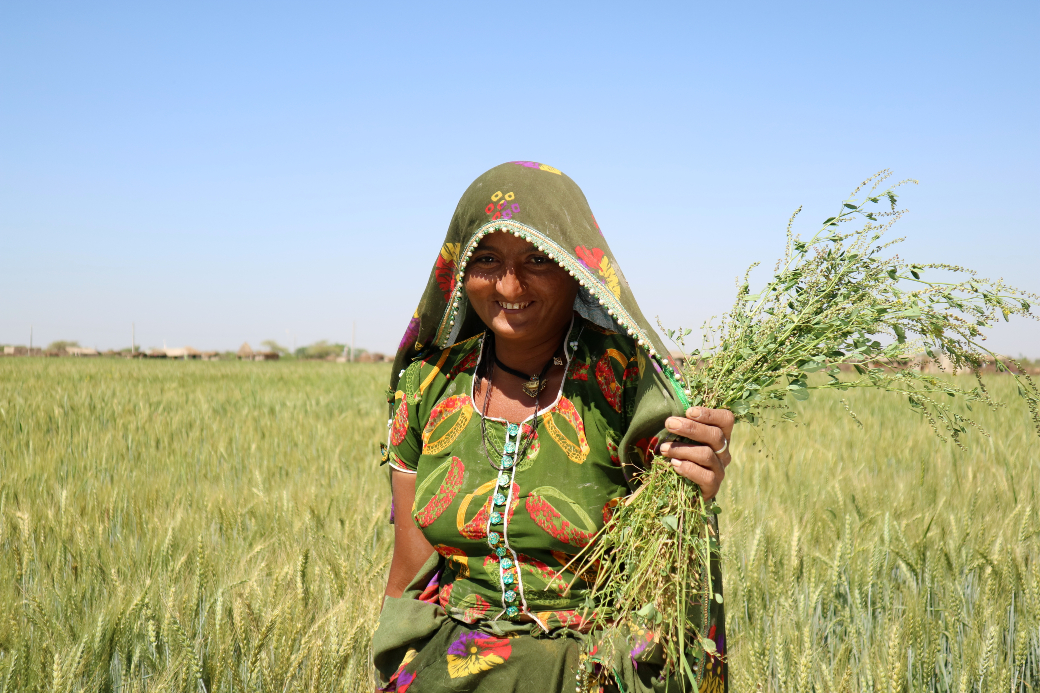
539	259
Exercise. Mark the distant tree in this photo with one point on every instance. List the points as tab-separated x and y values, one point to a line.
275	347
319	350
62	345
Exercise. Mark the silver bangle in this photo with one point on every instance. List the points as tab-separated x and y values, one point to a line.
725	444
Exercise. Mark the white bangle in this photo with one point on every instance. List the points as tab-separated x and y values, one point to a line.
725	444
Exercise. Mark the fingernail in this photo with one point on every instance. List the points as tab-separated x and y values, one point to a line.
672	423
695	412
665	447
676	463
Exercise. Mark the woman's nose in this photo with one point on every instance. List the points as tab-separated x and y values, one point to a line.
510	285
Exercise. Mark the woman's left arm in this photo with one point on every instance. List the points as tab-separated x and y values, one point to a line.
704	464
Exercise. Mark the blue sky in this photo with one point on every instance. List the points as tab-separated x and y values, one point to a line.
223	172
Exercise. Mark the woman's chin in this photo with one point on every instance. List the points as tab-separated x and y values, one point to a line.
516	325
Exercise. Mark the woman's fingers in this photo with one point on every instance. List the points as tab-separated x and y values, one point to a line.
716	418
712	436
698	464
713	427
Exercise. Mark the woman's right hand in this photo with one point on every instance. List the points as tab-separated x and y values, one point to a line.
703	461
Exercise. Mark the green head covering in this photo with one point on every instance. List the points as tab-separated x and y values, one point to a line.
540	203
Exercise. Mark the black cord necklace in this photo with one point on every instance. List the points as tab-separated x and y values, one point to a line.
535	383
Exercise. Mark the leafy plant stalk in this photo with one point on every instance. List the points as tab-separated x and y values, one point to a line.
838	313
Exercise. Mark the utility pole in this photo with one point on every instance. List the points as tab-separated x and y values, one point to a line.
353	334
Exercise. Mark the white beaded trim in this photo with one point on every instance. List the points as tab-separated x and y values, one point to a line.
585	276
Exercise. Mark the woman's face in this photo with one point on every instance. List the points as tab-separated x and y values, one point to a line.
517	290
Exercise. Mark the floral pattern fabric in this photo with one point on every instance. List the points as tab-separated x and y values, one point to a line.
559	489
418	649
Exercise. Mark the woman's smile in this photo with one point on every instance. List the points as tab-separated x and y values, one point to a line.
521	294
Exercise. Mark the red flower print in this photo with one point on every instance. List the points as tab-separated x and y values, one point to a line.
399	428
608	383
549	518
645	448
456	559
404	681
474	652
579	371
444	269
445	595
542	571
445	494
402	678
612	450
502	206
590	257
429	595
575	451
458	404
468	361
477	527
534	446
474	607
596	260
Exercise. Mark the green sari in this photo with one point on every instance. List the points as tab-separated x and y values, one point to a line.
507	505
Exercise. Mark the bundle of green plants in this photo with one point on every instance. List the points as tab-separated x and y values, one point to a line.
840	312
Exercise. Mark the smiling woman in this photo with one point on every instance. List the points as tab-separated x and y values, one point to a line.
527	392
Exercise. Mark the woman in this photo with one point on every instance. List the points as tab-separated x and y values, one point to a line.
527	390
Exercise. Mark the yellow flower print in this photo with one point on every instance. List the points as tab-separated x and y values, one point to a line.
474	652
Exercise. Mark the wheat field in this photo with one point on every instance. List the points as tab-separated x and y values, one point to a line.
185	526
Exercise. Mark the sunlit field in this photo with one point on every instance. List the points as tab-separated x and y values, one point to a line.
223	527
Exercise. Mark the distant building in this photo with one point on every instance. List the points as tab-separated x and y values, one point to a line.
22	351
266	356
81	351
183	353
245	352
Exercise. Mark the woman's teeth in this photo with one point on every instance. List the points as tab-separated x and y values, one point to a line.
513	306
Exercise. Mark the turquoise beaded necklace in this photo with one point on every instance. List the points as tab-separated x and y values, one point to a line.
509	571
513	601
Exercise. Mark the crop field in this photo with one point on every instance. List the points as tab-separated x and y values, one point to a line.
186	526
